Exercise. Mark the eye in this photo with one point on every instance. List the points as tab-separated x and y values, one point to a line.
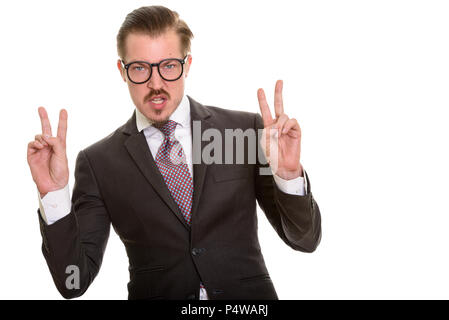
138	67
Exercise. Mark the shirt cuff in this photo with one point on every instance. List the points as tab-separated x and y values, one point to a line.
55	205
294	186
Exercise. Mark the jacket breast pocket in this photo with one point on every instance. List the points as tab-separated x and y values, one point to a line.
224	173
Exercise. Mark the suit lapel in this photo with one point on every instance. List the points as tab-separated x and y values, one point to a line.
139	151
198	113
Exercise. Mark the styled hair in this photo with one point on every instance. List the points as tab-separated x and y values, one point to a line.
153	21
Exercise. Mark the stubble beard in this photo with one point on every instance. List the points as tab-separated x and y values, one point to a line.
159	122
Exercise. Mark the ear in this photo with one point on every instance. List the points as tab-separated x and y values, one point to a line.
187	65
121	69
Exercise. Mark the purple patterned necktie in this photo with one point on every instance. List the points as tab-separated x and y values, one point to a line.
170	159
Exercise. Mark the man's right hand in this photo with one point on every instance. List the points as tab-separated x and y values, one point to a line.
47	155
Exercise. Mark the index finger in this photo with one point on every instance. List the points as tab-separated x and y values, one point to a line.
46	127
264	109
62	125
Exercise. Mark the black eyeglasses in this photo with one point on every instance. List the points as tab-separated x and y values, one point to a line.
169	69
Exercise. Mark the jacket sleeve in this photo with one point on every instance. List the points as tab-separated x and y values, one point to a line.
296	219
74	245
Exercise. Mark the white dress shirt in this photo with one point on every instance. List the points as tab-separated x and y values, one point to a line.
57	204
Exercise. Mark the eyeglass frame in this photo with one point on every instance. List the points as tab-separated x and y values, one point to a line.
182	61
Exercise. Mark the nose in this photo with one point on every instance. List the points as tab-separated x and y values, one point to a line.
155	82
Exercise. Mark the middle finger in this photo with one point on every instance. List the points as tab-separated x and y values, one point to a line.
278	103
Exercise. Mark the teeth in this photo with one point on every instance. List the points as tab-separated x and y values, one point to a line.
157	101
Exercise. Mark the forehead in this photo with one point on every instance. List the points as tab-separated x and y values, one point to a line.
144	47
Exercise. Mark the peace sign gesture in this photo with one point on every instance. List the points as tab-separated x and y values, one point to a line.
281	137
47	157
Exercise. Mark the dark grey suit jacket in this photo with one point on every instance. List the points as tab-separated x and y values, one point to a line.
118	183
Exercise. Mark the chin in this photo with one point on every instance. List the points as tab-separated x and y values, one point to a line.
158	115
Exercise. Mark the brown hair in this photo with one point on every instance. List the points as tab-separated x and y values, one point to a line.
154	21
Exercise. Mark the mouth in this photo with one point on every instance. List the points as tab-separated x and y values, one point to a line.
158	102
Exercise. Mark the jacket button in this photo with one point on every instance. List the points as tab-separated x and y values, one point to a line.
217	291
191	297
198	251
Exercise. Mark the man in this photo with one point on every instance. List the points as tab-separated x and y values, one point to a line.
189	227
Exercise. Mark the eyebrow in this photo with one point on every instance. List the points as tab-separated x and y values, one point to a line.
143	59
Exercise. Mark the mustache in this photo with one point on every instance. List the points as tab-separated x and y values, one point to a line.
154	93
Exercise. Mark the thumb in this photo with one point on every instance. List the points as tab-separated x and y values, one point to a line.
56	143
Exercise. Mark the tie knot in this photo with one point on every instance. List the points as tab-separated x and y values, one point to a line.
167	128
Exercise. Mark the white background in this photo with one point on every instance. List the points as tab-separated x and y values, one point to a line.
367	80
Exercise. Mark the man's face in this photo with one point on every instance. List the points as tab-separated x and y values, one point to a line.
157	98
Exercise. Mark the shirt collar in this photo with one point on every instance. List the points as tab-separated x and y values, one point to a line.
181	115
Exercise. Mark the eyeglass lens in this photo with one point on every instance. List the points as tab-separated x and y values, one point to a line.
141	72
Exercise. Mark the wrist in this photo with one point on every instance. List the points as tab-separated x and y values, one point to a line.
290	175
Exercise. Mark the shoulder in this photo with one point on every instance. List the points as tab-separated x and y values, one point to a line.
225	117
230	113
236	118
110	145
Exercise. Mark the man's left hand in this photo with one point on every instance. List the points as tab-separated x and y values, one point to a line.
281	137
